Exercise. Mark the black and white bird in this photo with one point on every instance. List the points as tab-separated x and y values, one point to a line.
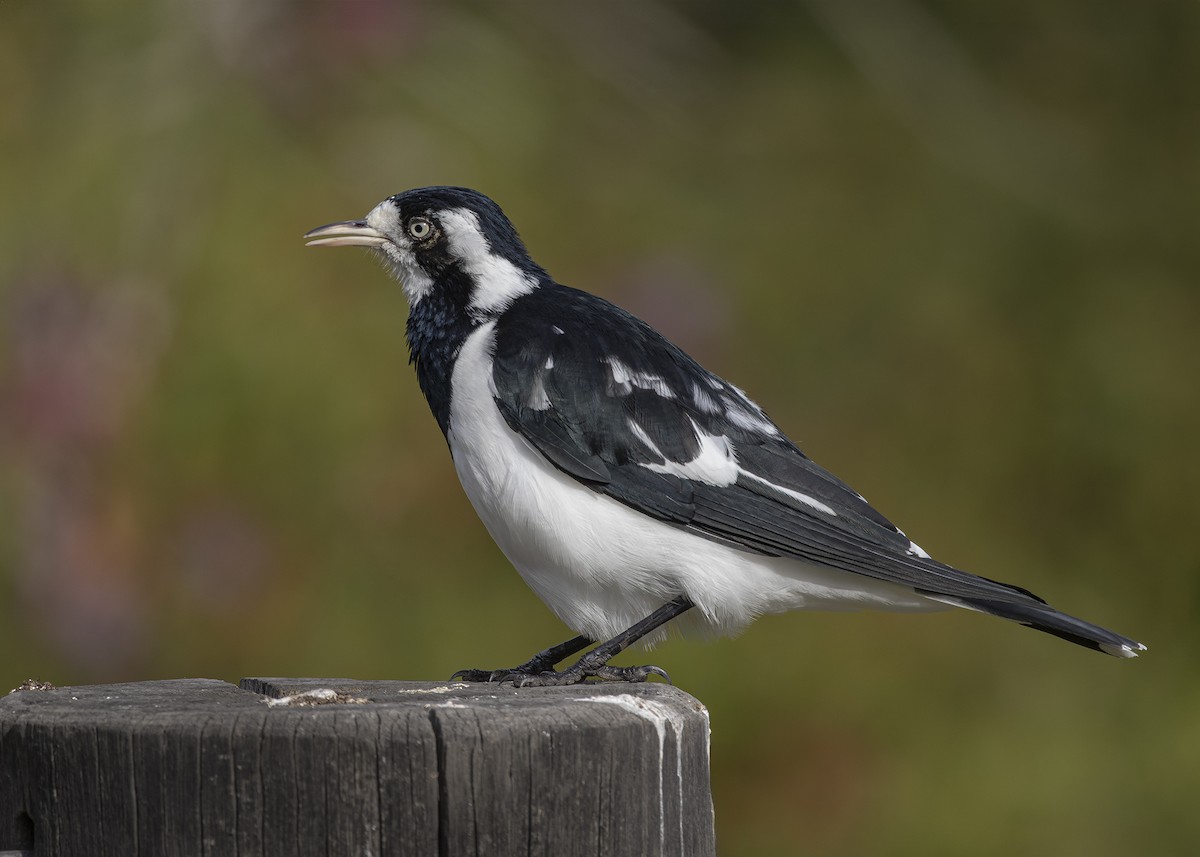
627	483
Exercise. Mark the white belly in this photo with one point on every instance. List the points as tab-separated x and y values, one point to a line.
601	566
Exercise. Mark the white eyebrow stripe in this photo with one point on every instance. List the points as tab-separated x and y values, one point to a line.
498	282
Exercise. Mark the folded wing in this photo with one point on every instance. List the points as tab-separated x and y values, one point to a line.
613	404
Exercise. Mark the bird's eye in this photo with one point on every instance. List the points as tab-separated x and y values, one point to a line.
420	228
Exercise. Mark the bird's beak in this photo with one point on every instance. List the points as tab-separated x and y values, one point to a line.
348	233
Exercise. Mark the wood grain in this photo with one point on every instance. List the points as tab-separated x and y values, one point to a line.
336	766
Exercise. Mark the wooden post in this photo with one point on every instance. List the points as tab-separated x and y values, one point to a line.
339	767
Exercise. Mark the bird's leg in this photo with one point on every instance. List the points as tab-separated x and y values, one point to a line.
595	663
539	663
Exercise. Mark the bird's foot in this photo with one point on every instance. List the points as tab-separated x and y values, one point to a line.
491	675
517	675
577	674
539	663
580	673
539	670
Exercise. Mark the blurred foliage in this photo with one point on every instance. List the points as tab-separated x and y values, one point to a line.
951	248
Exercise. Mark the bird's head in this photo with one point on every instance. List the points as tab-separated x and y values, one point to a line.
448	240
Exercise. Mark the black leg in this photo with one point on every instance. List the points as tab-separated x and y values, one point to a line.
595	663
539	663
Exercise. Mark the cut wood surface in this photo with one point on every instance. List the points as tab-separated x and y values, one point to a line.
335	766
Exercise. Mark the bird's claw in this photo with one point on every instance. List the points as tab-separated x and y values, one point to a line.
576	674
579	674
487	675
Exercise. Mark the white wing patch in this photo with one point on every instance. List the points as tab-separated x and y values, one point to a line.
498	282
625	379
715	464
600	565
743	413
640	434
538	400
751	420
705	403
795	495
915	549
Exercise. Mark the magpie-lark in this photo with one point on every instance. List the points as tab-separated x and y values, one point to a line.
626	483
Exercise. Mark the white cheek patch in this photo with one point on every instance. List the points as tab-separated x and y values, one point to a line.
413	279
498	282
397	253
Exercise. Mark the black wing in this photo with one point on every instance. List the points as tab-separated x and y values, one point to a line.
612	403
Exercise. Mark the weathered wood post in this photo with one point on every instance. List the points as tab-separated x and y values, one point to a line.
333	766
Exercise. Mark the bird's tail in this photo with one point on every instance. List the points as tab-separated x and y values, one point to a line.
1043	617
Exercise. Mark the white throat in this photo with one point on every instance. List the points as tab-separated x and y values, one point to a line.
397	253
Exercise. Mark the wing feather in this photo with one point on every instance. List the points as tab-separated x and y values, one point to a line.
619	397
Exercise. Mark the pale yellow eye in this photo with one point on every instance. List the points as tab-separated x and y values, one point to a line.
420	228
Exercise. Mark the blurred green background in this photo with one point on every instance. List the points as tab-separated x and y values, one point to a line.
951	248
